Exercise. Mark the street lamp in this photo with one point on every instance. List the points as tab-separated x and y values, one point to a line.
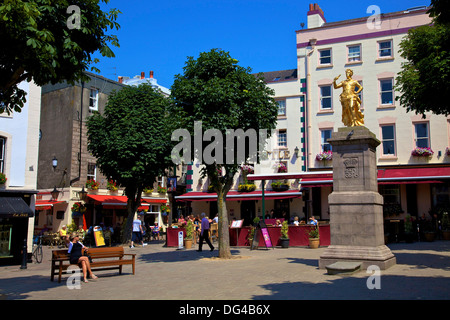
296	151
55	194
82	194
54	163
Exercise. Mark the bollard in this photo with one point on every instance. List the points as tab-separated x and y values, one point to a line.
24	255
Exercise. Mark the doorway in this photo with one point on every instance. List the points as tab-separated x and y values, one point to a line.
248	211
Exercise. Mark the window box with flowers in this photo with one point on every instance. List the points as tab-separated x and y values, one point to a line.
3	179
422	152
279	186
246	187
280	167
91	184
112	186
162	190
324	156
148	190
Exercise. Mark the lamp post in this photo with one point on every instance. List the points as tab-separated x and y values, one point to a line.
82	194
55	194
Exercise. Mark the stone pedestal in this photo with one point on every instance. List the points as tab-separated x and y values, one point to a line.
356	207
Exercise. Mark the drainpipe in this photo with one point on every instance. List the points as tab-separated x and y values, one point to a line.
81	135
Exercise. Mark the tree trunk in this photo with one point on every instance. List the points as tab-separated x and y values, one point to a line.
133	203
224	231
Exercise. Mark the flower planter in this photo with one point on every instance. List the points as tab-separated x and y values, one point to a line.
314	243
284	243
188	243
429	236
446	235
282	187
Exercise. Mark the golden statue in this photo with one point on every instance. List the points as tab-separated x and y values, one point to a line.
351	112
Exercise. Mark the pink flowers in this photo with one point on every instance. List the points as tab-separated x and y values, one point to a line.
324	156
422	152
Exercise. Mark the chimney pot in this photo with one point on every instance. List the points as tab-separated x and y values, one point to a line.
151	74
142	75
120	79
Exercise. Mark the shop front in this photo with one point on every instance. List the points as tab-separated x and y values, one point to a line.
15	215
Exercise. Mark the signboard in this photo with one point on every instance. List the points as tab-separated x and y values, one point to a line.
98	236
171	184
266	237
180	240
237	224
261	228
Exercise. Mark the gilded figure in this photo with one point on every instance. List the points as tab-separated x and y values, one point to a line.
351	103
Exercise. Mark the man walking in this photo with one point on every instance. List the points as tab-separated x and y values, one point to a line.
204	234
137	232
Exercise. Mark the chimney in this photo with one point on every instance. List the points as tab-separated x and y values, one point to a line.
151	74
120	79
142	75
316	17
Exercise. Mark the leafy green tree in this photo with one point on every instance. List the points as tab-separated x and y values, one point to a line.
49	41
424	80
131	141
224	96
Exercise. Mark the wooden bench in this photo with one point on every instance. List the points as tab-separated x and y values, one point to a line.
104	258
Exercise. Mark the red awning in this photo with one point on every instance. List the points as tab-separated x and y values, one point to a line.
385	176
241	196
120	202
46	204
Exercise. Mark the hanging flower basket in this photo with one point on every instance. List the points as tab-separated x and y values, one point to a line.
78	208
281	168
165	209
248	169
422	152
324	156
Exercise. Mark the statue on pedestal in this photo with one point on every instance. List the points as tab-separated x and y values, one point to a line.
351	112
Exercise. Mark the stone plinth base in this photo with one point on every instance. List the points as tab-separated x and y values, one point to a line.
380	256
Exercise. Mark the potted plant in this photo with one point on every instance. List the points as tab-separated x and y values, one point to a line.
445	226
189	232
284	238
313	237
409	230
429	233
280	186
162	190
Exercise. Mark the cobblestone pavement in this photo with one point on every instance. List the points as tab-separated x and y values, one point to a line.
422	272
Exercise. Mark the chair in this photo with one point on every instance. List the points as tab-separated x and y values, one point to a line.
214	232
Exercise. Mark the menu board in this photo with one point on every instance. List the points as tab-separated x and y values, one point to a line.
98	236
237	224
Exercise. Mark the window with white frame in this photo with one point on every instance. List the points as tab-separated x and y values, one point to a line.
385	49
2	154
422	137
281	107
160	181
387	91
93	99
282	138
325	134
325	97
91	171
325	57
354	53
388	139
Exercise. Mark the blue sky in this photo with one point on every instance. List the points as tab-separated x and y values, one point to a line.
160	35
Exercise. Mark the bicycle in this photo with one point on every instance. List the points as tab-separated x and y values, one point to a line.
37	249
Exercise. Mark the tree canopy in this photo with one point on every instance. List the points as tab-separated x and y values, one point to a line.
424	80
131	141
47	41
215	90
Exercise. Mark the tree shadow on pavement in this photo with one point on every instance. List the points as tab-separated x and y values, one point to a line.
180	255
17	288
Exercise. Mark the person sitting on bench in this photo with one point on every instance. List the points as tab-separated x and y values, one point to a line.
76	249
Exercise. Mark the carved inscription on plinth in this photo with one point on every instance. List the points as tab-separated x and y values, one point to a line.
351	169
